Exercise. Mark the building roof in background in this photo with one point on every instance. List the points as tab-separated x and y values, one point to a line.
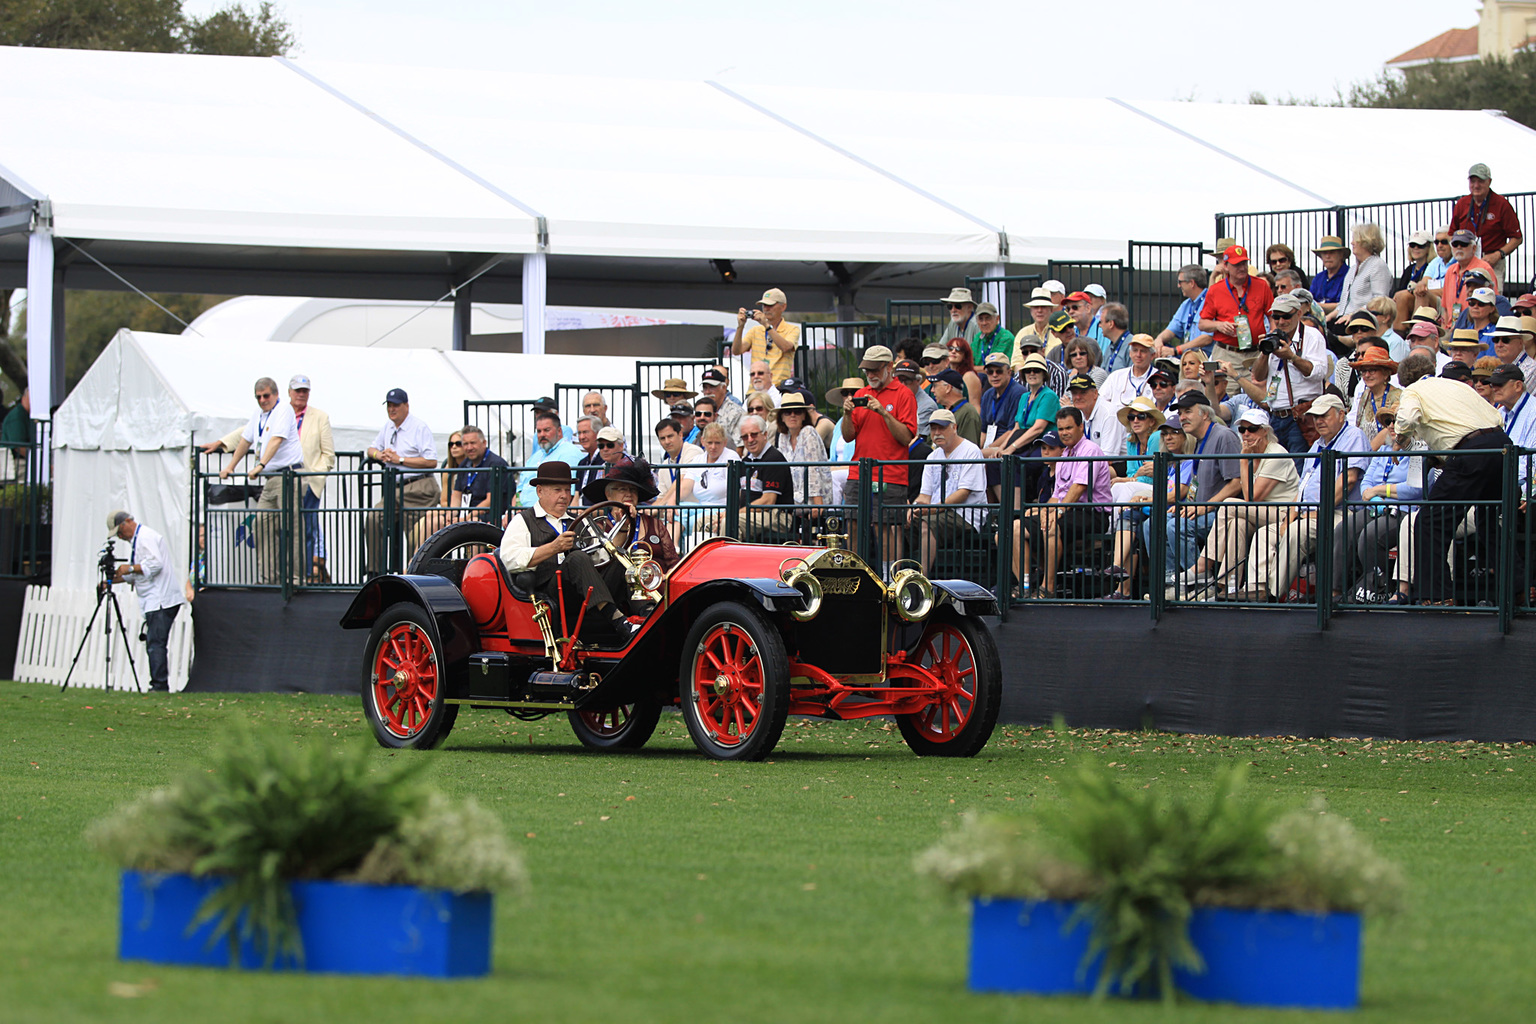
1455	44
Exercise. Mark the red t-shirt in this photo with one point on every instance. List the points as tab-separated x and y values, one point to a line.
1221	303
1493	220
872	437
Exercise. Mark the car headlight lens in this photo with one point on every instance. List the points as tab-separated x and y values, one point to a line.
913	595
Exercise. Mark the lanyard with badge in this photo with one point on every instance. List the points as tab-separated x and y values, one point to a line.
1244	329
261	427
1514	415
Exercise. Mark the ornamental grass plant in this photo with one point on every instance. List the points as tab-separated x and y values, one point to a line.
1139	860
265	811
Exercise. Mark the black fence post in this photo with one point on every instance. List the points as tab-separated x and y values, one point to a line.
389	527
285	530
1005	518
1157	535
1322	587
868	531
1221	225
732	499
1509	511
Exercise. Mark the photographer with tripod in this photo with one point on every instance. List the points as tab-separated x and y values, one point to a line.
150	571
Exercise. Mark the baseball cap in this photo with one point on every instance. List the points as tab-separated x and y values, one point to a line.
610	434
396	396
1235	254
1420	238
1457	371
1061	322
1424	329
1082	382
1097	291
936	352
297	382
685	408
1029	339
544	404
1463	235
1051	439
1079	297
1323	403
950	377
876	355
903	368
1287	304
1506	375
1144	340
1190	399
1526	301
1171	422
996	359
1484	295
1474	277
712	377
1054	287
116	518
1480	170
941	416
772	297
1258	417
986	307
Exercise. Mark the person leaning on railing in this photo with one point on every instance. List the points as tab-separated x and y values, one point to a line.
1393	479
405	443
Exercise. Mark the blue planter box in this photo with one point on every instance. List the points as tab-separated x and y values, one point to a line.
345	928
1254	957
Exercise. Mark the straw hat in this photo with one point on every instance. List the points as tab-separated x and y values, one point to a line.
674	388
1141	404
850	385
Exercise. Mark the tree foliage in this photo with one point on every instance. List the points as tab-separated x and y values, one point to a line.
91	319
1493	83
158	26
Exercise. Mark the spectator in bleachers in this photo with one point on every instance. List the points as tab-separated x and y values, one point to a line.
1327	285
710	478
761	379
959	489
824	426
1041	308
1114	337
999	407
962	316
1063	330
934	358
770	338
1080	308
963	362
1484	306
991	335
1083	395
910	377
1491	217
683	412
1289	380
1466	345
1456	290
1234	313
551	446
1428	288
1458	371
1217	477
610	447
406	443
1481	371
1279	549
1519	412
1367	277
1288	281
760	403
1183	332
841	449
703	412
1385	312
1141	421
1163	387
1392	479
728	411
1279	257
591	465
1424	338
881	420
799	442
1038	405
1099	297
766	485
592	404
1083	358
1127	383
1509	339
1420	255
676	453
950	390
1078	506
1375	367
1057	292
1268	487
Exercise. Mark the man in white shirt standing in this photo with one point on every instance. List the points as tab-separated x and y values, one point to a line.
406	444
1290	379
959	489
273	433
158	586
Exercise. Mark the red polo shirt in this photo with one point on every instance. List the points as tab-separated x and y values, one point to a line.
872	437
1493	220
1222	303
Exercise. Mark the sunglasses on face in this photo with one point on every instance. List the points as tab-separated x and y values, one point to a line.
1281	316
607	444
1137	417
1249	428
703	415
752	436
756	410
264	396
1279	259
1461	245
455	444
1477	302
996	369
1362	330
933	362
1442	241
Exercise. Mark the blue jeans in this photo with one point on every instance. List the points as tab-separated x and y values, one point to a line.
314	539
1185	536
157	638
1288	433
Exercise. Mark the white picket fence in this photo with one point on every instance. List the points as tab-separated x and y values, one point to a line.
53	621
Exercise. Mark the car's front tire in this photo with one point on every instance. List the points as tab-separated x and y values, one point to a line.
404	682
734	683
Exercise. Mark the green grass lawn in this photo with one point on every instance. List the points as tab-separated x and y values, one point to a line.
666	887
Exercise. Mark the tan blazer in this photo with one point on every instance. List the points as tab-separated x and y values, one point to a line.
315	440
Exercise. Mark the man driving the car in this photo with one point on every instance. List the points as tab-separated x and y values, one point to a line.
540	538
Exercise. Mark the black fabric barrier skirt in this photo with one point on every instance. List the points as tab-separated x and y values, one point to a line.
13	599
251	642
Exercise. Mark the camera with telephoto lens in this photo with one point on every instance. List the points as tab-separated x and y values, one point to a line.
1269	341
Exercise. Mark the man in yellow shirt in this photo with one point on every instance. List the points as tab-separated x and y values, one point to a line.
770	338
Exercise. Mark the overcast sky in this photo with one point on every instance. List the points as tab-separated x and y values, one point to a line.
1136	49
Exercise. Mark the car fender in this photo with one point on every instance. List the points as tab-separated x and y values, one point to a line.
774	595
457	638
966	597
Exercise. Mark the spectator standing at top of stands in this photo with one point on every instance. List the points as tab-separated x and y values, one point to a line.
958	489
1217	477
1099	297
1125	384
1041	309
1367	277
406	443
1234	314
1489	216
728	411
913	379
949	388
273	434
1289	380
592	404
551	446
1114	337
1098	417
1454	293
991	335
881	420
1078	506
1183	332
962	316
1447	415
591	467
769	337
1327	285
1080	308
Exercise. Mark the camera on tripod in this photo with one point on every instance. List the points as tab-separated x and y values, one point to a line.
107	563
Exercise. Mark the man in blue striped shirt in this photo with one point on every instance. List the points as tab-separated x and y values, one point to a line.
1183	332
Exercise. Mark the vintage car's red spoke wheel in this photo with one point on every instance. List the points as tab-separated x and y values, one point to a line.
960	719
403	685
734	683
627	726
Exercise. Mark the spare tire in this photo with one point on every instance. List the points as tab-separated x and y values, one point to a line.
446	552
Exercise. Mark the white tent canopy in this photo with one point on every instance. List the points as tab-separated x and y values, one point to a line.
122	439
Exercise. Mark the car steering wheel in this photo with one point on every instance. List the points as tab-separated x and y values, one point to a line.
600	529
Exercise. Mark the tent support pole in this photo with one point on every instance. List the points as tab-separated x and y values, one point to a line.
535	288
45	316
462	306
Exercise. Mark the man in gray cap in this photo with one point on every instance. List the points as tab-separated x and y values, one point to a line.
1490	217
991	335
158	585
1289	379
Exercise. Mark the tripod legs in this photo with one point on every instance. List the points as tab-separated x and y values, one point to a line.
104	595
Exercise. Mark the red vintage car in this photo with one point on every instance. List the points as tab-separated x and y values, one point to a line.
741	636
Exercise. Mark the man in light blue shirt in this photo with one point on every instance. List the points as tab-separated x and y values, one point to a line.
1508	393
1183	332
552	447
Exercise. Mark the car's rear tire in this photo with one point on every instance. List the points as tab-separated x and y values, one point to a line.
625	727
734	683
457	542
404	682
961	652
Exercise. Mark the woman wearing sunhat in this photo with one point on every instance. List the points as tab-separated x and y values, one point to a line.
1038	407
1269	487
1142	421
800	443
1376	369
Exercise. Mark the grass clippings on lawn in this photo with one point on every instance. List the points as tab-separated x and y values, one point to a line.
669	888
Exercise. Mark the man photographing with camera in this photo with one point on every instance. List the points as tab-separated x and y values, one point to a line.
150	571
1289	373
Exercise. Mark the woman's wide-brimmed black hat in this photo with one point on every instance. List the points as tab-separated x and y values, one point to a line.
637	474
